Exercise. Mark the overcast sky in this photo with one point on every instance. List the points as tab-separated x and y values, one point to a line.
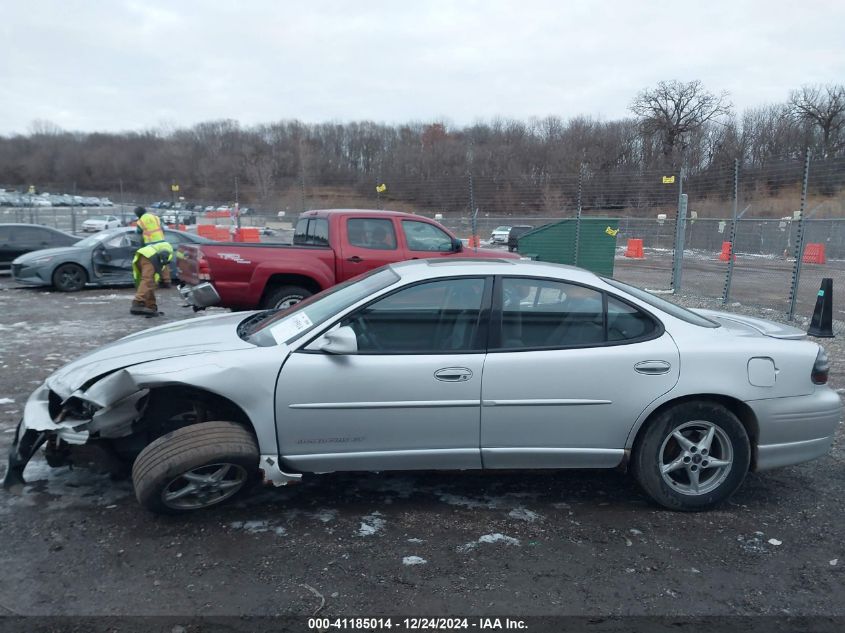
139	64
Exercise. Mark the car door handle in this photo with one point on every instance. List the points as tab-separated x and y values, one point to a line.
652	367
354	259
453	374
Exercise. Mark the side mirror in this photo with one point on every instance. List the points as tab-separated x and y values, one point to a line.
457	245
340	341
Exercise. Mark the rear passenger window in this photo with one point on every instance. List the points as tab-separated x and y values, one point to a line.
627	322
30	235
548	314
311	232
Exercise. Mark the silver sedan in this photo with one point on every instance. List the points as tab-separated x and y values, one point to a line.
442	365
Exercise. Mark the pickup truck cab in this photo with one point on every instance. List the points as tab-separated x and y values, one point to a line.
329	246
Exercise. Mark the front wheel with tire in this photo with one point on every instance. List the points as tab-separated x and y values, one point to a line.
69	278
195	467
692	456
283	297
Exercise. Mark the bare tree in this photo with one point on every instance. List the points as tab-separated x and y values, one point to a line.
824	107
673	109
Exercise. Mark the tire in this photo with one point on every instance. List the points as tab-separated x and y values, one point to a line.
692	482
69	278
284	296
200	451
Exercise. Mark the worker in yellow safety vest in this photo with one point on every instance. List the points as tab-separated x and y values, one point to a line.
151	263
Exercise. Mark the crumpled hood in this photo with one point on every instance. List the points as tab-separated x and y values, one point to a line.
192	336
45	252
741	324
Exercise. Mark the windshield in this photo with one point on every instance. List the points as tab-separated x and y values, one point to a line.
502	228
282	326
99	218
661	304
93	240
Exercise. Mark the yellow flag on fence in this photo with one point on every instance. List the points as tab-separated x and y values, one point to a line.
611	232
668	180
381	188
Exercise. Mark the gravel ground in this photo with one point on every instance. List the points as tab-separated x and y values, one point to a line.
537	543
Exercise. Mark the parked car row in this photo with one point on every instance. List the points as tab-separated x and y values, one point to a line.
28	200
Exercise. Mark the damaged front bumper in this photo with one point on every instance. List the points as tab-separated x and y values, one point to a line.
27	442
200	296
106	410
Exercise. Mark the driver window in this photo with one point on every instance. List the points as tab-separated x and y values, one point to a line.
123	240
422	236
430	318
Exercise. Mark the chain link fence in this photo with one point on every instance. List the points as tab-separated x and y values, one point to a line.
763	236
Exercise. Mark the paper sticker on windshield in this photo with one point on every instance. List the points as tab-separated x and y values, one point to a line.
290	327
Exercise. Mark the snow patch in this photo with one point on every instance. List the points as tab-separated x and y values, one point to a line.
489	539
371	524
325	515
524	514
413	560
6	401
258	527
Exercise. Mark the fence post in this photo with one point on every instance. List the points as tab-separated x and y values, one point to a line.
799	238
732	237
680	222
578	215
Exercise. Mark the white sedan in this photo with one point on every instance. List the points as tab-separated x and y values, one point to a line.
100	223
500	235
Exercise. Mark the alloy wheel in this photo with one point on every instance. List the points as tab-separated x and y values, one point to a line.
204	486
695	458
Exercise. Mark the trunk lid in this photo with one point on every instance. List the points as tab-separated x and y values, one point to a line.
746	325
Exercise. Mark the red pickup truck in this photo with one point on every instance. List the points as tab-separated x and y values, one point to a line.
329	246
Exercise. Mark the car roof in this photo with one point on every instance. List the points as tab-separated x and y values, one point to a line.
386	213
453	267
21	225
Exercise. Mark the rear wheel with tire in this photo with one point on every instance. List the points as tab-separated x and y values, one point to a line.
283	297
69	278
195	467
692	456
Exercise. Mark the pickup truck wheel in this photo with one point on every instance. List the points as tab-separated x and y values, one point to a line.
195	467
283	297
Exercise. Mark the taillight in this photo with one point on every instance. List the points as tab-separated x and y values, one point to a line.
821	368
204	272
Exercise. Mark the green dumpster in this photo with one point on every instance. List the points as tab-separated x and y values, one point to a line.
556	243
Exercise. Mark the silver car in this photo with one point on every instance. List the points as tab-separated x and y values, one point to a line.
434	364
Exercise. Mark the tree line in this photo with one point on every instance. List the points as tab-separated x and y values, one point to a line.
536	163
